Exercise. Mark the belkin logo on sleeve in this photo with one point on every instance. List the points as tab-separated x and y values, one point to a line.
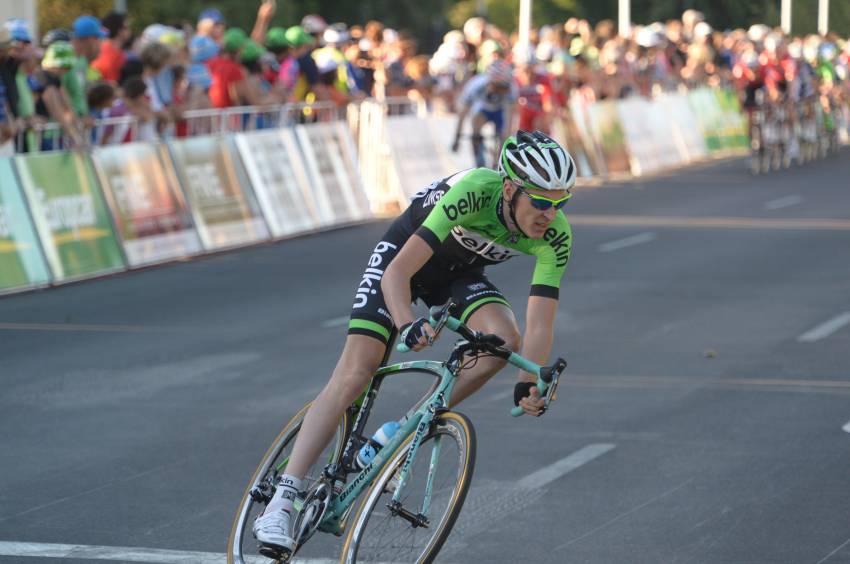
470	204
560	242
371	280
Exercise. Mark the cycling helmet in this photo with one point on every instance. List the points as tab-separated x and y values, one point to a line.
500	72
535	160
55	35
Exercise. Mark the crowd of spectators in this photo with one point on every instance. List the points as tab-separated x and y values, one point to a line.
98	69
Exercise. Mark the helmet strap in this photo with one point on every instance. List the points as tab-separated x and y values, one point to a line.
511	204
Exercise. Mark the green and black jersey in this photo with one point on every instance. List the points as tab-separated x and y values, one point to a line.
461	218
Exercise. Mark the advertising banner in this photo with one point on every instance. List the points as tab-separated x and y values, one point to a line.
150	214
22	264
674	109
70	215
280	181
709	117
641	135
420	155
733	130
380	181
566	132
331	160
225	214
607	131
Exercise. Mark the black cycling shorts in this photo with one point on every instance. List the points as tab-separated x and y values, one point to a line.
370	315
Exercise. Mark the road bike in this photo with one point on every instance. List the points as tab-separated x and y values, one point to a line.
415	485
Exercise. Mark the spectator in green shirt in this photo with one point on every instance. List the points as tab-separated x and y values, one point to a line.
87	35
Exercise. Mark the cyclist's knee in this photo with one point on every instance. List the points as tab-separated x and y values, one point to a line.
513	340
348	382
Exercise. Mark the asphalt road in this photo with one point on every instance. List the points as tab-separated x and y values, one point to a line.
705	416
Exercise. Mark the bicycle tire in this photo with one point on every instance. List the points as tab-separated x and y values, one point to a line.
372	510
240	531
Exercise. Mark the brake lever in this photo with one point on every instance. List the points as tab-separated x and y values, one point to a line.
443	313
552	388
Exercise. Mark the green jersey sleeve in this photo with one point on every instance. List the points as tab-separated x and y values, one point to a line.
463	204
553	253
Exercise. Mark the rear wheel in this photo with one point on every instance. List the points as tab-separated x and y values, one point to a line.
405	533
241	545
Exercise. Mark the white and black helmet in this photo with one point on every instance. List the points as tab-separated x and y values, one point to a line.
535	160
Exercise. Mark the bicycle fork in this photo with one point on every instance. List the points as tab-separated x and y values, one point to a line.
395	506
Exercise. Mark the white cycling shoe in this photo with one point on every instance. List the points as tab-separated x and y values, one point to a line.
273	531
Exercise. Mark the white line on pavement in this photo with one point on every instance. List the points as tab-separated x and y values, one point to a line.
638	239
336	322
127	554
825	329
785	202
846	428
554	471
535	480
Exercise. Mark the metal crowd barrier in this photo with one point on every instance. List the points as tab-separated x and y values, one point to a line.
110	131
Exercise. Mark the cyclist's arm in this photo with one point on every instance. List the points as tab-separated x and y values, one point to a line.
395	283
539	330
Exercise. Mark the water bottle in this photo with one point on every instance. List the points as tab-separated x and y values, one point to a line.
381	437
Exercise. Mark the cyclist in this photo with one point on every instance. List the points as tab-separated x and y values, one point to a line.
437	249
488	97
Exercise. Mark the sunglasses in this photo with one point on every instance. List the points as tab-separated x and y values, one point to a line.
543	203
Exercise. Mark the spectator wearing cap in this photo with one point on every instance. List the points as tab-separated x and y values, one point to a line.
227	74
278	47
86	37
298	73
314	24
52	100
7	128
111	57
202	49
23	52
211	24
256	90
301	42
327	88
333	39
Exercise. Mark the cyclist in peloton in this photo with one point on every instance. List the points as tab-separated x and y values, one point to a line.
487	97
436	250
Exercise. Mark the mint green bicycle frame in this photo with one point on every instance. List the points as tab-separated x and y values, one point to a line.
419	421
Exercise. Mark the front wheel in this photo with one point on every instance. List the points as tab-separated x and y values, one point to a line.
265	478
415	532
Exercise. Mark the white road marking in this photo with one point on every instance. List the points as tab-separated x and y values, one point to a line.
785	202
129	554
638	239
536	480
828	556
554	471
825	329
846	428
336	321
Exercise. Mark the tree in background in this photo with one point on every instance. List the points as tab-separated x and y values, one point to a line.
53	14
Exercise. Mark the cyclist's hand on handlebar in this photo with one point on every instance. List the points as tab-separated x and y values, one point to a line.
527	396
416	335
